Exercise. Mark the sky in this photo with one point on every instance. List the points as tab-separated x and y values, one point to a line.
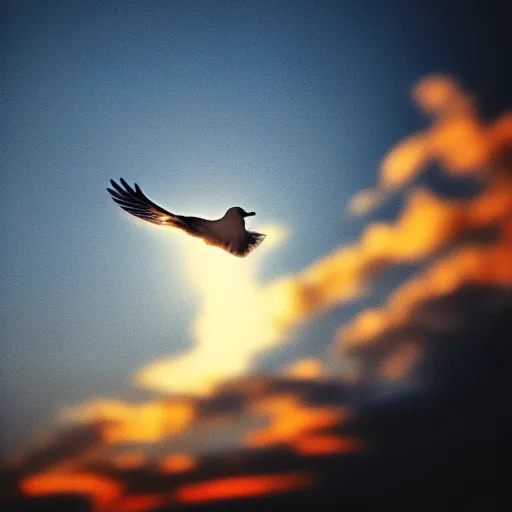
289	109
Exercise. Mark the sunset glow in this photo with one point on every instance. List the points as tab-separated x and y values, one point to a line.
242	487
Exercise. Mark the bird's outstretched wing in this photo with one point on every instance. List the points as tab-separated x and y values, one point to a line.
134	201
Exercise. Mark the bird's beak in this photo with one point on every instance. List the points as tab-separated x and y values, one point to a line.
250	214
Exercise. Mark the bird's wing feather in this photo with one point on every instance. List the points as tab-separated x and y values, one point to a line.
135	202
247	244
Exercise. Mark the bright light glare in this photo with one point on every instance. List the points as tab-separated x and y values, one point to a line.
234	324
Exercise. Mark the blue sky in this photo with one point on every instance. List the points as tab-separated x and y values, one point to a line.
284	108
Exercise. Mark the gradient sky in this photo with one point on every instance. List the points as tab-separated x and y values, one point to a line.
285	108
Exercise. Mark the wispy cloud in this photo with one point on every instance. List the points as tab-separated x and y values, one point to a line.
242	487
458	140
468	241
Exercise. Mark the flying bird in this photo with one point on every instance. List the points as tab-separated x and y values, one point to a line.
228	232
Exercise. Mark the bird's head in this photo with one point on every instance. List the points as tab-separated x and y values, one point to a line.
236	210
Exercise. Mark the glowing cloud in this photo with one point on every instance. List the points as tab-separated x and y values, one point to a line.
305	369
177	463
243	487
471	263
146	422
240	318
139	503
234	325
291	420
462	144
339	277
324	444
458	140
101	490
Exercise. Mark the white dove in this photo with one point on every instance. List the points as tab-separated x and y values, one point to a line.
228	232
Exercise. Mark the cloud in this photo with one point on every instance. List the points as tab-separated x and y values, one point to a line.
400	363
458	140
126	471
234	324
142	423
305	369
130	459
64	445
243	487
327	444
331	450
482	263
337	278
140	502
99	489
444	322
468	241
427	225
292	422
177	463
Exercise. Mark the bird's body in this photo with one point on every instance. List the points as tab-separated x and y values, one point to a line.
228	232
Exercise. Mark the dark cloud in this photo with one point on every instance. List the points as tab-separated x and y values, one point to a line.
64	445
57	503
235	396
438	442
442	328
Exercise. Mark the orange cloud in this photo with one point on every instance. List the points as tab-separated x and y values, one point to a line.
440	95
146	422
101	490
482	263
458	141
404	162
243	487
177	463
338	277
462	144
322	444
290	420
305	369
427	224
130	459
400	363
139	503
